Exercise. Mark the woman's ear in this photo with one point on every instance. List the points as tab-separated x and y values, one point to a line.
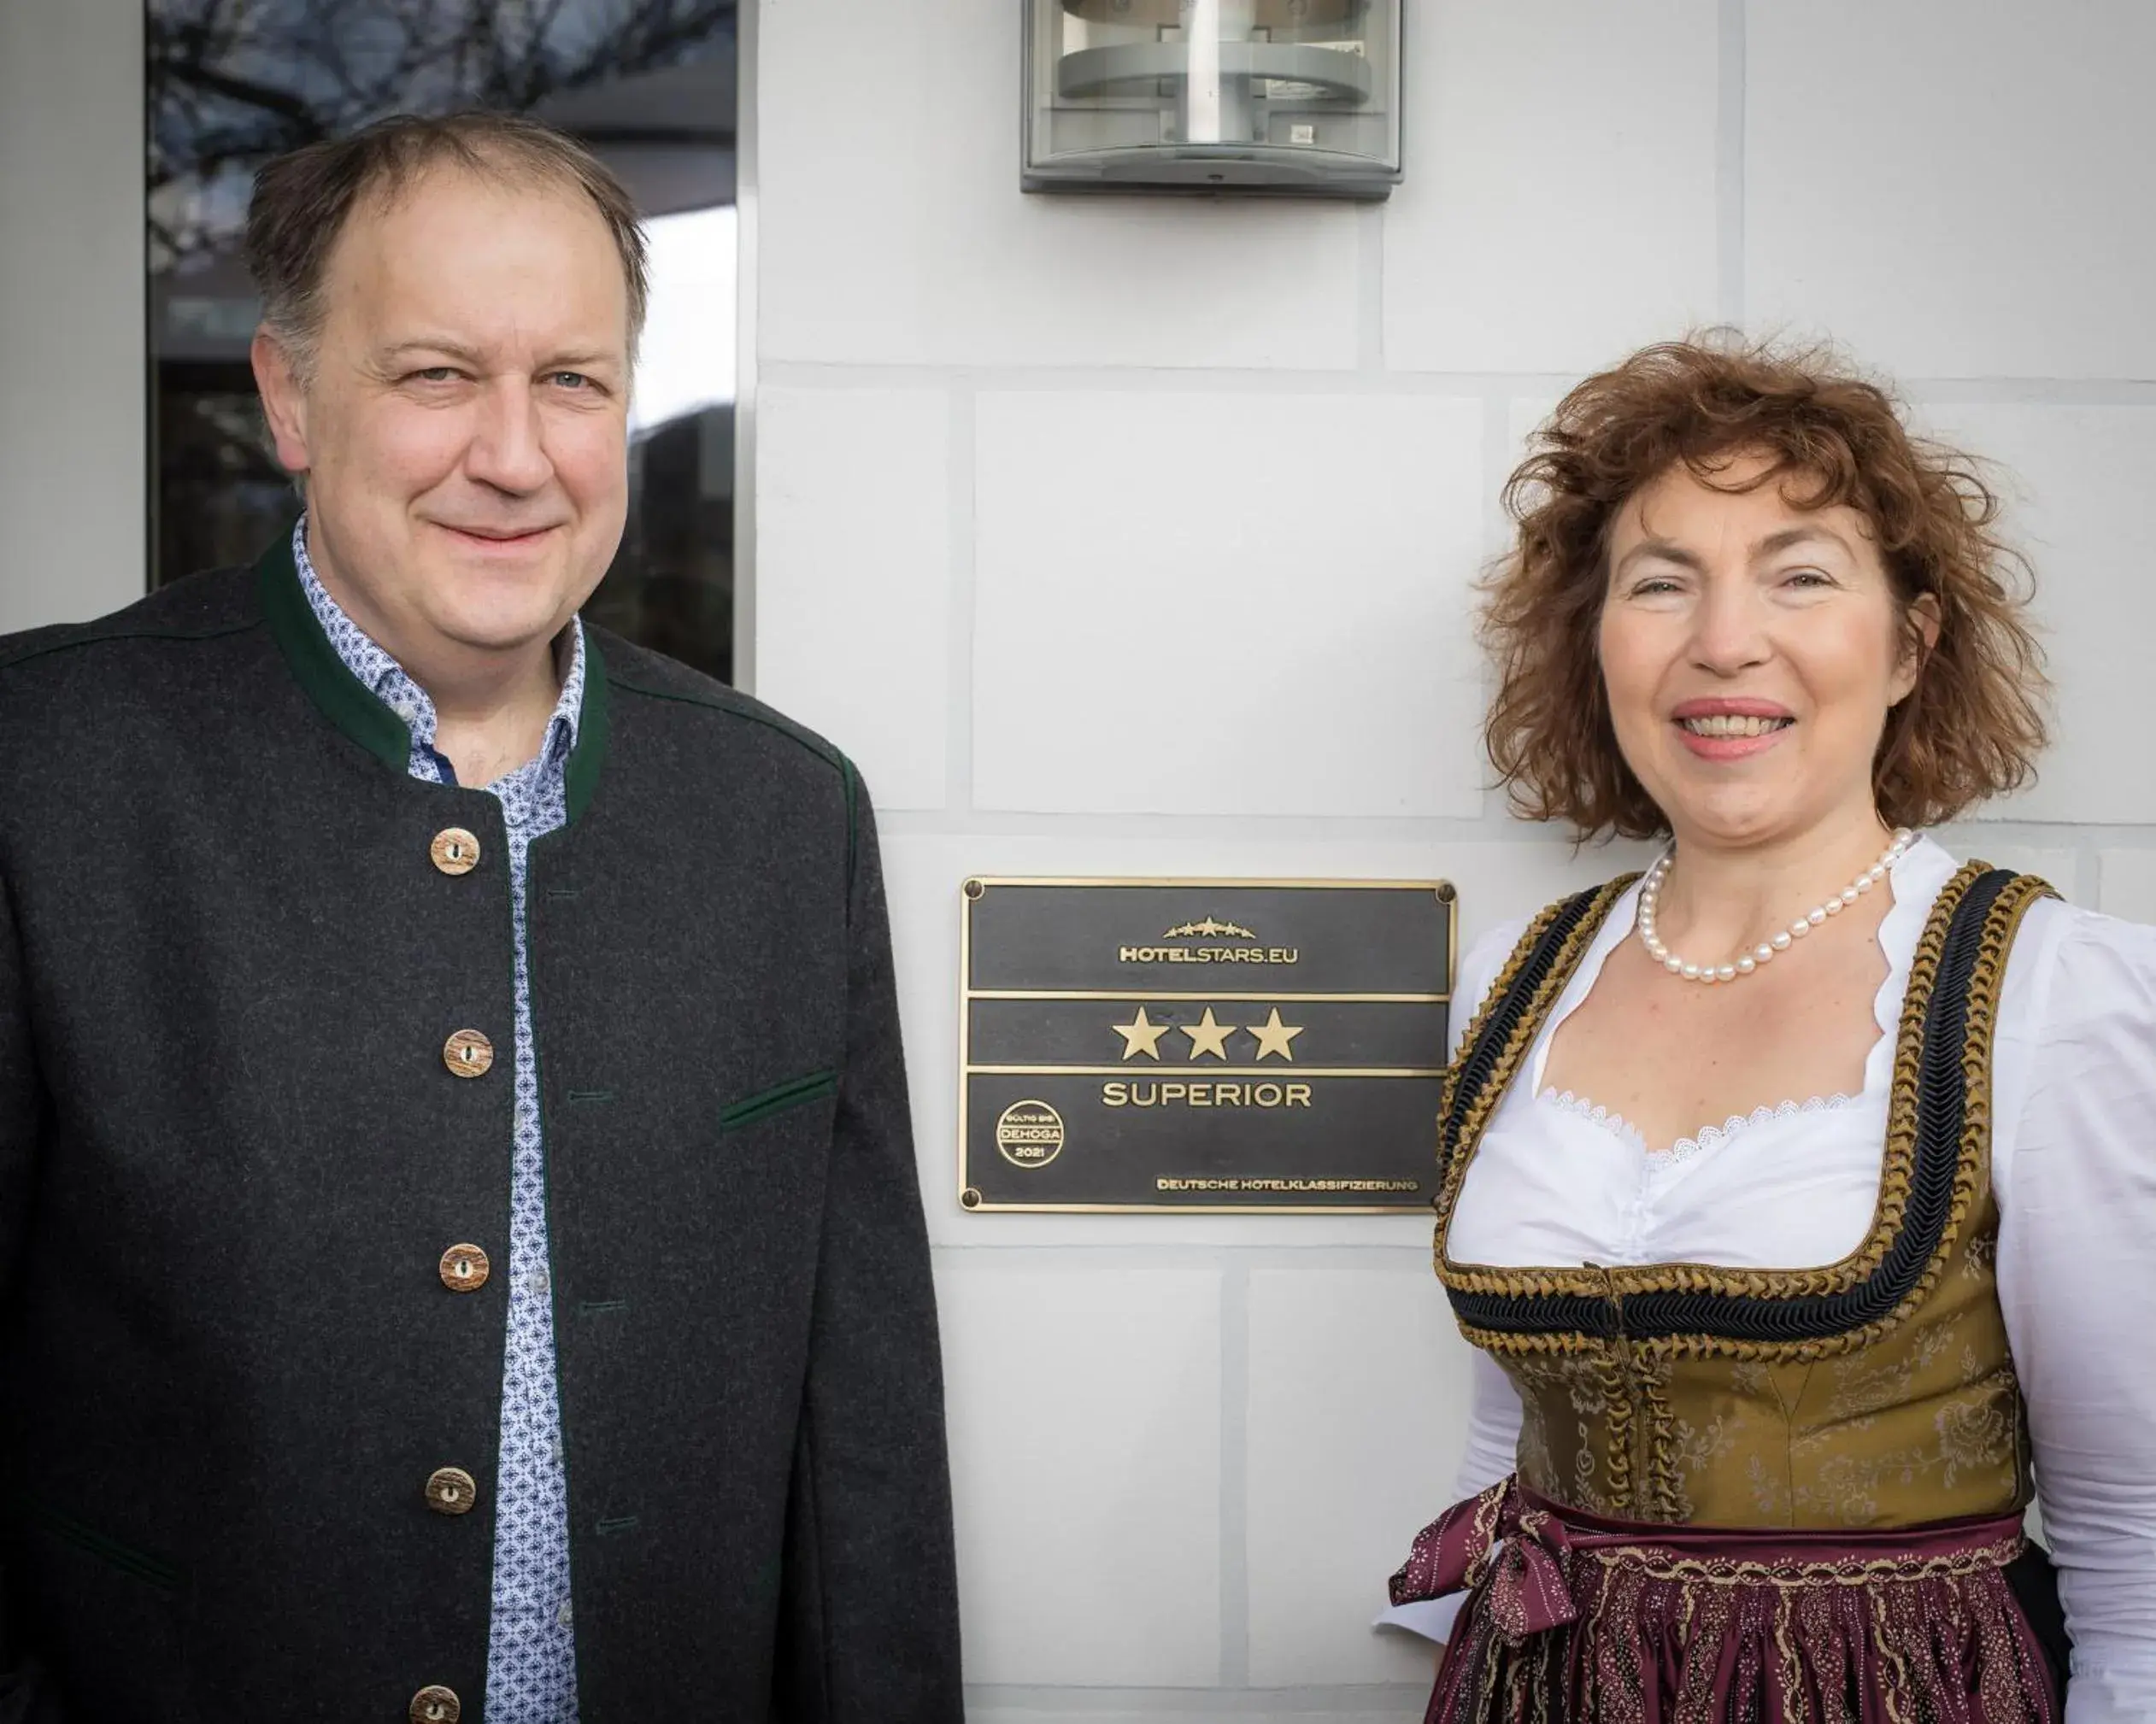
1920	638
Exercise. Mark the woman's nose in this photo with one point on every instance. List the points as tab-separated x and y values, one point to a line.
1729	630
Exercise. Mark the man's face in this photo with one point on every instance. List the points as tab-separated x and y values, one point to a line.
464	432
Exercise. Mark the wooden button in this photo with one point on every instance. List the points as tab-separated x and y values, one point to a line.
451	1491
434	1705
468	1053
465	1268
454	850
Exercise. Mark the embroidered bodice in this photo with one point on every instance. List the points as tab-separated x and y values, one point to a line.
1867	1384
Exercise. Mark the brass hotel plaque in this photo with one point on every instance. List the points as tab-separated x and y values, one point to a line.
1202	1044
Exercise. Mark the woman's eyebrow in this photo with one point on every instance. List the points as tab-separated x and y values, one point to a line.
1663	551
1774	542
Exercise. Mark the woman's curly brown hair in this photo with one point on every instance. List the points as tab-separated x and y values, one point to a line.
1973	724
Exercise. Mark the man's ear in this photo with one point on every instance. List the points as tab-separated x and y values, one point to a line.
1920	636
284	401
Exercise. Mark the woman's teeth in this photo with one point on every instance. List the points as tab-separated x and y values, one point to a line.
1733	725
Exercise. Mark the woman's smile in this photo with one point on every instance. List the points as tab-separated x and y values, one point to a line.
1731	728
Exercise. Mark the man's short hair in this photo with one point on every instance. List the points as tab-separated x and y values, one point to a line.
302	200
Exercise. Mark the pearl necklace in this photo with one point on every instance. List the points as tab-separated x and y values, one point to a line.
1651	893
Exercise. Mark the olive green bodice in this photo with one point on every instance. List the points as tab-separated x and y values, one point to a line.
1875	1392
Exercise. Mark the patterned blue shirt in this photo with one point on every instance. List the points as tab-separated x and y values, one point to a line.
530	1658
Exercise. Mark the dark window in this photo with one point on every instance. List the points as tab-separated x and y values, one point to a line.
647	84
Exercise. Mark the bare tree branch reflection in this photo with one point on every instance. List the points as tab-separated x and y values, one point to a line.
234	82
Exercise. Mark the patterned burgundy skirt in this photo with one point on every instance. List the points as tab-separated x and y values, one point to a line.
1588	1620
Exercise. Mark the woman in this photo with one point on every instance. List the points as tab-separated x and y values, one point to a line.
1799	1195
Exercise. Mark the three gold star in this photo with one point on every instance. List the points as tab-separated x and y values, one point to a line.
1141	1035
1208	1037
1273	1036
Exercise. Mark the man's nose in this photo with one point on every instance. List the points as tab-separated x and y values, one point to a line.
509	443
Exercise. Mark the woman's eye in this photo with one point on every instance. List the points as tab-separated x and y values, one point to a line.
1808	578
1653	586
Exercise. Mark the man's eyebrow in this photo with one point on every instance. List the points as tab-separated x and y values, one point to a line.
427	344
447	348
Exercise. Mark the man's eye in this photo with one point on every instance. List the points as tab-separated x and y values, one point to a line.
437	373
569	379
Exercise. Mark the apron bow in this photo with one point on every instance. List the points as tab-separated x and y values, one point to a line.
1522	1553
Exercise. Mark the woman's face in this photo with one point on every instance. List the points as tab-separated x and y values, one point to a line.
1751	651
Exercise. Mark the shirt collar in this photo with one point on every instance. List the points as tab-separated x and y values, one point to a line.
389	682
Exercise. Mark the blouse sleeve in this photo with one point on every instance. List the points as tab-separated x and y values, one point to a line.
2076	1186
1493	1412
1477	971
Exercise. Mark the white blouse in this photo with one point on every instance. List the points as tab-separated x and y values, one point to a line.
1559	1179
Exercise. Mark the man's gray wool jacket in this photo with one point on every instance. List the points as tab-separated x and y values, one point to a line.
233	1163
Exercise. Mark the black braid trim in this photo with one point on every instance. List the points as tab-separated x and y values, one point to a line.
1941	1098
1481	1060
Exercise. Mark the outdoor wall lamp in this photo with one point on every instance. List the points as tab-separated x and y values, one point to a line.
1267	96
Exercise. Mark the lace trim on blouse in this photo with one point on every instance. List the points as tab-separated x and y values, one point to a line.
1686	1148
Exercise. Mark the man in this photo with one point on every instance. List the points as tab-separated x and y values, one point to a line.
461	1254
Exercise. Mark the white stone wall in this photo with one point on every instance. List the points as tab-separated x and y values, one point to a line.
1129	537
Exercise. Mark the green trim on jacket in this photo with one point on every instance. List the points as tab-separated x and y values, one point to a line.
360	714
